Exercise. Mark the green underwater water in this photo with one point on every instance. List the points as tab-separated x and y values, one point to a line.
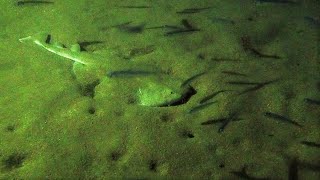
259	61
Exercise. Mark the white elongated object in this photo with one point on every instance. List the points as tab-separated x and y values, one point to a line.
56	48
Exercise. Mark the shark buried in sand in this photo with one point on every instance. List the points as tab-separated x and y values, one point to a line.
155	89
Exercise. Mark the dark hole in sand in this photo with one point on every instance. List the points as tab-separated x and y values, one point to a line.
187	134
153	165
131	100
201	56
92	110
14	161
10	128
88	89
166	118
115	156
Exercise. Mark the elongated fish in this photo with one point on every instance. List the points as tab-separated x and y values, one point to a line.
193	10
201	107
21	3
224	121
312	101
310	144
277	1
209	97
43	40
281	118
244	175
129	73
189	80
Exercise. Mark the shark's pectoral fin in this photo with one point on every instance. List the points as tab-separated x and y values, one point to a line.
75	48
84	74
77	67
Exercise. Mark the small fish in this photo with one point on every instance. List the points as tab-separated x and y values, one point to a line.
276	1
248	47
225	60
201	107
222	20
84	44
189	80
126	27
233	73
164	27
186	24
312	101
214	121
129	73
156	27
187	28
244	175
122	24
181	31
224	125
207	98
257	87
242	83
259	54
281	118
232	117
192	10
311	144
224	121
172	27
21	3
135	7
141	51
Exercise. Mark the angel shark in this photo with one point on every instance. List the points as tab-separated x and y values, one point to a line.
152	91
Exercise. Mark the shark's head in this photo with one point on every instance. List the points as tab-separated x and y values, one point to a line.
41	37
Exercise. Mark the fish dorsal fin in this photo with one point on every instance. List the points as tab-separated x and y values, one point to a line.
48	39
75	48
